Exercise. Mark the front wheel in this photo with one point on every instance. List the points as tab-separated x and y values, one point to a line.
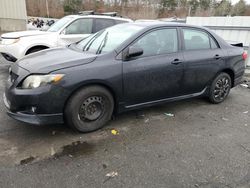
220	88
89	109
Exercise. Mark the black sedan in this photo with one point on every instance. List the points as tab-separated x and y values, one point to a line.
123	67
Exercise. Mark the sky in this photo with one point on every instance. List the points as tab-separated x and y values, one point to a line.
235	1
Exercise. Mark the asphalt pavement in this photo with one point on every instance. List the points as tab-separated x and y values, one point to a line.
189	143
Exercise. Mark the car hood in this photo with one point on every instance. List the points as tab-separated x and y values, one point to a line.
14	35
50	60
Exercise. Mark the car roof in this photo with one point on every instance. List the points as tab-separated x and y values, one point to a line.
158	23
148	25
100	16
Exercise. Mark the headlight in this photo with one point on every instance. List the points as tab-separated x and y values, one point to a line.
35	81
9	41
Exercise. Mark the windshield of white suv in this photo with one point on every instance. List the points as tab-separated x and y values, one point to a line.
109	39
59	24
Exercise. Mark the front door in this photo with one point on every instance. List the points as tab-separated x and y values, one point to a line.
158	73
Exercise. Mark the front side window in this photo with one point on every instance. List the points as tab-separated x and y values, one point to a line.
158	42
59	24
196	39
80	26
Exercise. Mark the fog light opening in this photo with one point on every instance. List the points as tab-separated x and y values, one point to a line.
33	109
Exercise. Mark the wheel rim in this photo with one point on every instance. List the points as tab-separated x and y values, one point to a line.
91	109
222	88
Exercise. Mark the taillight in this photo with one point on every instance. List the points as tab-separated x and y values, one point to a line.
244	55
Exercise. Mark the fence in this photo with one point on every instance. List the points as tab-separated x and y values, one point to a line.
232	29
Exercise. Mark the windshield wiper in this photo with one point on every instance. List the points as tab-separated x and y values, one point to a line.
89	44
103	44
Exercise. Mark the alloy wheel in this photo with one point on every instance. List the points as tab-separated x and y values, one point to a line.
222	88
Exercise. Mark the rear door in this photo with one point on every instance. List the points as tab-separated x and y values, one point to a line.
203	58
158	73
77	30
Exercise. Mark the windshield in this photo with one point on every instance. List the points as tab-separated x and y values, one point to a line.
109	39
59	24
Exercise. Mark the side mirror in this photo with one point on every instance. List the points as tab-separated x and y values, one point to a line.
131	52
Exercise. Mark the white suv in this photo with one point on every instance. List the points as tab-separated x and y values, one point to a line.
68	30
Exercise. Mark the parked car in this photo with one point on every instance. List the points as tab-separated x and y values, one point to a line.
121	68
67	30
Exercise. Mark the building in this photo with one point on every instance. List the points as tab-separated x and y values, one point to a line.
13	15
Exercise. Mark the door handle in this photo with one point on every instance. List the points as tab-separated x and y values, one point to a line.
176	62
217	56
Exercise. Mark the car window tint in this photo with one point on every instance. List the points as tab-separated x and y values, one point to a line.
158	42
120	21
195	39
103	23
213	43
59	24
110	38
80	26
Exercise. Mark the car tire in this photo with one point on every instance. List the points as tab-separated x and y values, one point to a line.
89	109
220	88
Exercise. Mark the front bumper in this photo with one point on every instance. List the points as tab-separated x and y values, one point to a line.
43	105
32	118
45	119
11	53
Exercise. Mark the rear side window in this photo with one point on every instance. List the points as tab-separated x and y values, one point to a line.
101	24
120	21
196	39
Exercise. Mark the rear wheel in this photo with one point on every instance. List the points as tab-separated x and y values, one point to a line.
220	88
89	109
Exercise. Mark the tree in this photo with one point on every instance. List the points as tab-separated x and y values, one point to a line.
183	3
239	8
169	4
72	6
205	4
193	5
38	8
223	8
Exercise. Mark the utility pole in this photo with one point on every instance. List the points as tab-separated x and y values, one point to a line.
47	8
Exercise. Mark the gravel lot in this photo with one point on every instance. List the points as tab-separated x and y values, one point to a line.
203	145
